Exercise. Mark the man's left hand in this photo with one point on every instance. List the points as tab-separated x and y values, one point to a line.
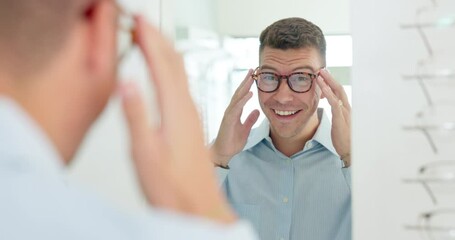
341	115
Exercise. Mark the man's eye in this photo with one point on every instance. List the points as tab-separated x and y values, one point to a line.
301	77
268	77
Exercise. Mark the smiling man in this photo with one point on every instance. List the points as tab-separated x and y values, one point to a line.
290	176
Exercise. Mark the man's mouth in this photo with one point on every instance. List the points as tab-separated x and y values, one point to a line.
285	113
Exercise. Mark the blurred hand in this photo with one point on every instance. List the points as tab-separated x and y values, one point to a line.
341	115
233	134
171	160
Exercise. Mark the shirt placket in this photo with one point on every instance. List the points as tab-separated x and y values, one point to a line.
285	200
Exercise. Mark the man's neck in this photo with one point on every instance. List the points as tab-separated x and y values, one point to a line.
32	93
292	145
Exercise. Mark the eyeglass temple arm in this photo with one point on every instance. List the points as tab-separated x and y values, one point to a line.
430	193
430	140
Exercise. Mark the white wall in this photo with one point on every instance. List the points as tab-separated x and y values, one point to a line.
196	13
249	18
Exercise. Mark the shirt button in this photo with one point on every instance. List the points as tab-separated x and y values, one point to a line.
285	200
310	144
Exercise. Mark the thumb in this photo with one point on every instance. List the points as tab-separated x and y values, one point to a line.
251	120
134	110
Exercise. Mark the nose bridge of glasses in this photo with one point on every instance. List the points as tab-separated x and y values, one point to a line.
283	79
283	93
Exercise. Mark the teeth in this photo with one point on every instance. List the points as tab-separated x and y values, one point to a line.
284	113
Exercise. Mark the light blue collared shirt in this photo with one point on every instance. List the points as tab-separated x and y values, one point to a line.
304	197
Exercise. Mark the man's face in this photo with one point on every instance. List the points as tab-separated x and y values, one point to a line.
289	112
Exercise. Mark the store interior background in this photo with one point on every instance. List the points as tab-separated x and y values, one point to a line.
367	52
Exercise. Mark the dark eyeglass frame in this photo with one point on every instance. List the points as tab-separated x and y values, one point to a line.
255	75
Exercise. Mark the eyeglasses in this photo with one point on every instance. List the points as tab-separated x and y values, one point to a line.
428	18
436	177
433	73
299	82
435	122
431	21
125	33
435	225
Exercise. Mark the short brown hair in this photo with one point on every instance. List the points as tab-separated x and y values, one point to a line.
32	31
293	33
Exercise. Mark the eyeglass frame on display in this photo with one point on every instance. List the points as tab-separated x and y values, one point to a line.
424	224
420	28
433	24
426	181
421	77
448	126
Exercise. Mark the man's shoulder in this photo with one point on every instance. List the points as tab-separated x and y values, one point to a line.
76	211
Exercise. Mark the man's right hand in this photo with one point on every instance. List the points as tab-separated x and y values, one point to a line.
233	134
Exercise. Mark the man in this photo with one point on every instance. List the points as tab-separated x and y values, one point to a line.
290	176
57	72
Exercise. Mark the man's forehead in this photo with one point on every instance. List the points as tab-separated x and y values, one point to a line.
300	58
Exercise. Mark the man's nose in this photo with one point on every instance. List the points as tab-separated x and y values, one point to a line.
284	94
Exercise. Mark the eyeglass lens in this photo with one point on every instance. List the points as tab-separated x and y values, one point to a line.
298	82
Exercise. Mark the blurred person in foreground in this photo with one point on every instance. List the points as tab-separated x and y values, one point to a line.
57	71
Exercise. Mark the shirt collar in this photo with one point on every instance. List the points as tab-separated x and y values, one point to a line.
258	134
322	135
23	144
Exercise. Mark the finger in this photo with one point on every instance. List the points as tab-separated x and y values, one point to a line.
243	88
149	158
165	66
347	114
237	109
327	92
168	74
335	103
251	120
247	81
134	110
336	87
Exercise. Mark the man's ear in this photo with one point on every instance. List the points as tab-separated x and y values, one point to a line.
101	26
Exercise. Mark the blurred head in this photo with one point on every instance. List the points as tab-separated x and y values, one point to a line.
58	62
288	46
